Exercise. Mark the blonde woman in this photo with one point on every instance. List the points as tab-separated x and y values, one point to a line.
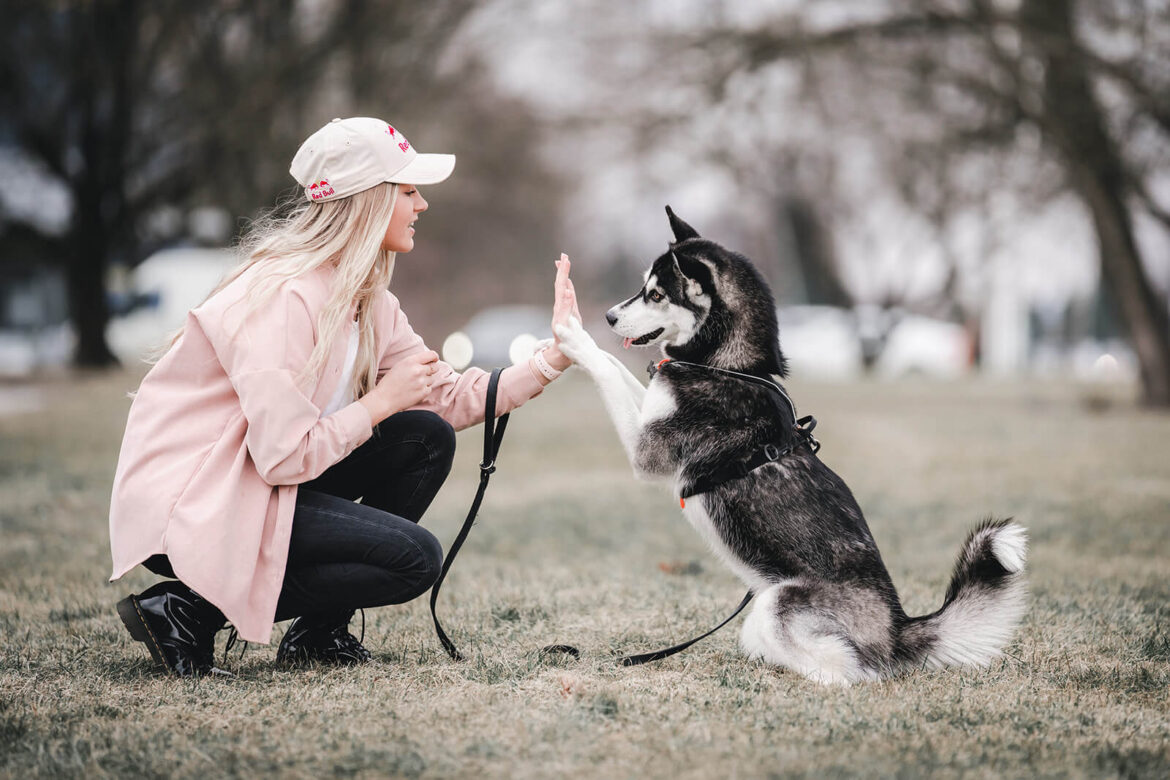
297	387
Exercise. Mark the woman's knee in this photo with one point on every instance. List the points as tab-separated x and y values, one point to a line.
432	430
429	560
440	434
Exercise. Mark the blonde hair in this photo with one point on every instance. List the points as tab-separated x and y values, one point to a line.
294	239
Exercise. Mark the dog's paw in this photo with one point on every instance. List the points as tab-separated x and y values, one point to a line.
575	342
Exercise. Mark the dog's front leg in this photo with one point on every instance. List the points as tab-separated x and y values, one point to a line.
636	388
616	393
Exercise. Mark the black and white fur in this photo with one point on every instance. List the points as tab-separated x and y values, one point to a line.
791	530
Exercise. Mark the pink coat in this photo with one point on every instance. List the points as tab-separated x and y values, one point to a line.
220	435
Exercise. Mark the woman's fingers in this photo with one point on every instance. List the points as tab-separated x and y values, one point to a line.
562	279
563	301
573	297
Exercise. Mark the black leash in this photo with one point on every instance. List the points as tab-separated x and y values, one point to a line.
658	655
491	448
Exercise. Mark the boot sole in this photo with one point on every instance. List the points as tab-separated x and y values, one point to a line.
139	629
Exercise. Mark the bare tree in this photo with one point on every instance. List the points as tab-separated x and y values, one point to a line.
1074	122
137	105
966	78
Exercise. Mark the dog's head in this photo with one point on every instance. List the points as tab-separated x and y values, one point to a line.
704	303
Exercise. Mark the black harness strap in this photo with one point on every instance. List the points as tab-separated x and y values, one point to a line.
491	447
769	453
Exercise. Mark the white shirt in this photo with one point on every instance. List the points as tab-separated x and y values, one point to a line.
343	395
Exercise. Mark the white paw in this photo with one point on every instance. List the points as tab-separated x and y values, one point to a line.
576	343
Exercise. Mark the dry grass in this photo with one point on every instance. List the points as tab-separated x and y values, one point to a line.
569	548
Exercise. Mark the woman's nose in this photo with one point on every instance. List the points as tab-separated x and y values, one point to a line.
422	204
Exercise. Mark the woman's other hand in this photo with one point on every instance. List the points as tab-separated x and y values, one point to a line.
403	386
564	306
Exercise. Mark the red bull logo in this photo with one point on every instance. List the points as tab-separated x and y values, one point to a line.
320	189
403	144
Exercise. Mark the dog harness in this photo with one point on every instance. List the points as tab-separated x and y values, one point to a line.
769	453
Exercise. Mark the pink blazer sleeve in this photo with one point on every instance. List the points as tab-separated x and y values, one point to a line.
457	398
287	438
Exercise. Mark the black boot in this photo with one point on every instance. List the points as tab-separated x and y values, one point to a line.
177	625
323	640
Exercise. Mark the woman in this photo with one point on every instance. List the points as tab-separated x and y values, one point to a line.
295	388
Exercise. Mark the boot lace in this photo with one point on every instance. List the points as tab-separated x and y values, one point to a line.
348	643
233	638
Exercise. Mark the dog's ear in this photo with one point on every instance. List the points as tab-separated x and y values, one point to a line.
691	283
682	231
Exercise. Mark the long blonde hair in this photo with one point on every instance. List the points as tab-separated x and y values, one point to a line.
294	239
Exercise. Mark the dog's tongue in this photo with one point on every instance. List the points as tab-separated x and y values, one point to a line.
626	342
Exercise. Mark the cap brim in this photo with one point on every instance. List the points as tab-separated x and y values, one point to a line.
425	169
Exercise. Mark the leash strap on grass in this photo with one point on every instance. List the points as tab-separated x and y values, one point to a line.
491	447
658	655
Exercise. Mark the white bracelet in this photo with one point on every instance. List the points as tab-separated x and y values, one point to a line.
543	366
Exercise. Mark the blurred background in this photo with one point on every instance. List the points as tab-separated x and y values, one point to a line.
941	188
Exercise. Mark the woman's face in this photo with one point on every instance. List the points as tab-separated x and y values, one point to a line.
400	232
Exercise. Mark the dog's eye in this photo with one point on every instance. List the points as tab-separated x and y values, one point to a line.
656	296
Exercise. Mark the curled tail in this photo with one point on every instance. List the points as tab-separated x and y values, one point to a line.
984	603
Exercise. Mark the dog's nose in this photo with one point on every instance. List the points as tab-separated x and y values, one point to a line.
611	318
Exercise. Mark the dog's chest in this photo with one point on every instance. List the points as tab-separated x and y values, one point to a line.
658	402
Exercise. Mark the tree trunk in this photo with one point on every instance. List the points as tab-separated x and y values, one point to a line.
1074	124
101	223
85	280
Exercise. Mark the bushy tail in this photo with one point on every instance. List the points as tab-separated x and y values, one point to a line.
983	605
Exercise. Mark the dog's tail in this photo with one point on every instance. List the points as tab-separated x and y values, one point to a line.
983	605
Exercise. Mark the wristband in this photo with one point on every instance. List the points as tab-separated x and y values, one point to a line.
542	365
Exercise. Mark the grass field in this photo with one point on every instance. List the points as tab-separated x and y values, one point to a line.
569	548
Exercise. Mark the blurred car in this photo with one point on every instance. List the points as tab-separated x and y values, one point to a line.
827	342
925	346
820	342
498	336
159	293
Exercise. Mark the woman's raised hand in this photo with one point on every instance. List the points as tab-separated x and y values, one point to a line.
564	307
403	386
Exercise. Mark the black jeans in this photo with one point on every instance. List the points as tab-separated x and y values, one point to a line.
344	555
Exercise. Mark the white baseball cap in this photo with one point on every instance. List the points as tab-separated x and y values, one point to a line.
347	156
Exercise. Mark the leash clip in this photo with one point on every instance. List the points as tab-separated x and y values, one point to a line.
772	452
654	368
488	468
805	427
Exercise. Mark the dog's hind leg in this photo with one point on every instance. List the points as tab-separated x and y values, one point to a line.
784	631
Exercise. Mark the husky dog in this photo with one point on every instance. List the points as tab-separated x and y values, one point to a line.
789	528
